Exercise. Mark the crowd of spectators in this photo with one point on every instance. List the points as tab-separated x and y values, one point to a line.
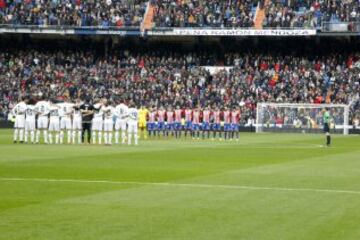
310	14
167	78
197	13
178	13
340	11
81	13
289	14
240	13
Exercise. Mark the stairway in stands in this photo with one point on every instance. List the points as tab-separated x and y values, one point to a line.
148	18
260	15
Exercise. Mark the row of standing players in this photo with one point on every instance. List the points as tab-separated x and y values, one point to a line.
100	120
210	123
55	120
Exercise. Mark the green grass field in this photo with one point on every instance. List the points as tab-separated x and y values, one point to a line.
266	186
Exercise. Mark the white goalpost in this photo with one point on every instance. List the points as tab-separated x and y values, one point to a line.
300	117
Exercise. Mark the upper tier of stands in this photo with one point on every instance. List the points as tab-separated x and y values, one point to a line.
179	13
79	13
212	13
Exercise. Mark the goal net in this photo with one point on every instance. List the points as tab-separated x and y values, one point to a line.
301	118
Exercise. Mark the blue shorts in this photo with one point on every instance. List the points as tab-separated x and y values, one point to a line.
235	127
206	126
216	127
161	126
227	127
151	126
188	125
170	126
177	126
195	127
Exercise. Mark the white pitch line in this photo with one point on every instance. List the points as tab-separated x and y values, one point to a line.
280	146
189	185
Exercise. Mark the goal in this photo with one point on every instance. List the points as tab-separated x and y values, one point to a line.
301	118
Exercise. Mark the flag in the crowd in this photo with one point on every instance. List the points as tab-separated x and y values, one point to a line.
274	80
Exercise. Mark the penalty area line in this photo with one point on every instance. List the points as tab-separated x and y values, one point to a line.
187	185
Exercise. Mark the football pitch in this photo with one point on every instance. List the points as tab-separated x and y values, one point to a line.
266	186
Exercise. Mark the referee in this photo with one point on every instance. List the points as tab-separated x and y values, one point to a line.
87	114
326	119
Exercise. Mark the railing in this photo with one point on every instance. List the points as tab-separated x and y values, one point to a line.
56	27
340	27
166	31
51	29
326	27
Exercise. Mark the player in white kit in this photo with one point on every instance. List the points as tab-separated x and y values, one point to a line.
65	111
77	122
133	118
54	123
30	123
42	108
19	112
108	111
97	123
121	112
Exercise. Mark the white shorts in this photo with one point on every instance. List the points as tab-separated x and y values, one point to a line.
77	124
108	125
19	121
54	124
97	124
120	124
42	122
133	127
30	124
65	123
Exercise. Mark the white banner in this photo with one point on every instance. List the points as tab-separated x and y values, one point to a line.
233	32
216	69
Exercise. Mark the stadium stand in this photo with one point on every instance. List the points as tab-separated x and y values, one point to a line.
72	13
329	15
309	14
258	14
174	13
281	15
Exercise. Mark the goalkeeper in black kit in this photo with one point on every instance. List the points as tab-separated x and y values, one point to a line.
326	120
